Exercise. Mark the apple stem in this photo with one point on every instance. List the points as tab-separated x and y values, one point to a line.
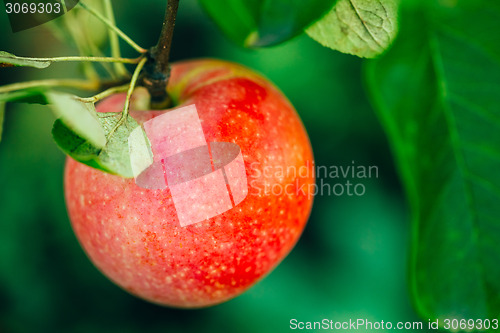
157	70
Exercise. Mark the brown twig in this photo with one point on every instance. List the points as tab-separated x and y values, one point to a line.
157	70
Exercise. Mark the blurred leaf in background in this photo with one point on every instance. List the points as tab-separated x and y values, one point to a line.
257	23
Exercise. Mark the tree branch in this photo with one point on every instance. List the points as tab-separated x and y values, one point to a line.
157	70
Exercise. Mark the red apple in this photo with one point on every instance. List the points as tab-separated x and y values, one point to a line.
133	234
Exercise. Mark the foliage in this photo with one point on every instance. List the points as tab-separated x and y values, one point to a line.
265	22
435	88
437	94
8	59
365	28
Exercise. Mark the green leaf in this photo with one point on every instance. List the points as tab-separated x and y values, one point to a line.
73	144
365	28
113	158
257	23
35	96
90	137
10	60
83	133
2	115
437	94
78	116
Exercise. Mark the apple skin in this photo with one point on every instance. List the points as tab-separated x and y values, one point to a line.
133	235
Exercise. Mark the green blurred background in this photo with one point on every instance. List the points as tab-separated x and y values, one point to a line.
350	263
